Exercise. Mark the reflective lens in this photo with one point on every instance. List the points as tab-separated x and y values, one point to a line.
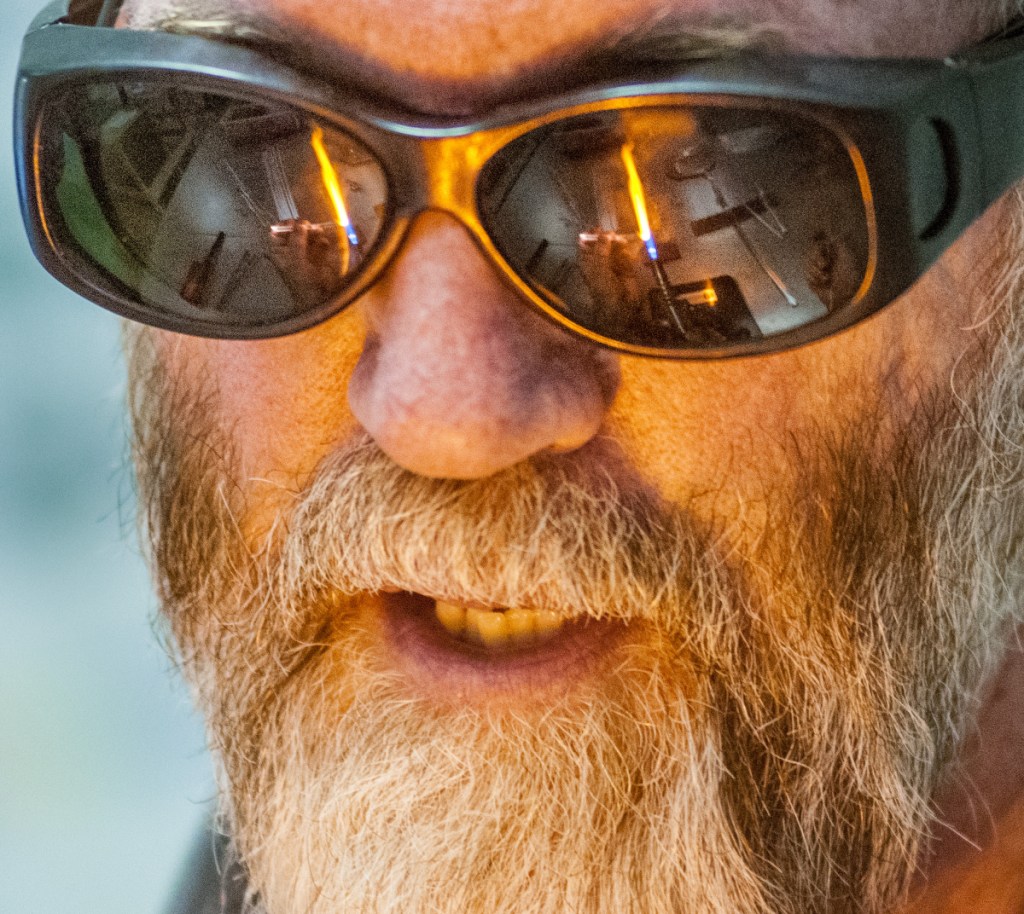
676	227
683	227
207	207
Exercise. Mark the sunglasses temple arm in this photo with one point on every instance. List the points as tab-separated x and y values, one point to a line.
997	80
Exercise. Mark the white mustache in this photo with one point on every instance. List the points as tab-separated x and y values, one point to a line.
538	535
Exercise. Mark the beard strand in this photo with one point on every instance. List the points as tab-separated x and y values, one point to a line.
769	746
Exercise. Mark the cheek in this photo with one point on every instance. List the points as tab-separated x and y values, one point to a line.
283	402
719	433
706	429
719	436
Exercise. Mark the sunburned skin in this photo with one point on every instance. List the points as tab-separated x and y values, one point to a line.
454	378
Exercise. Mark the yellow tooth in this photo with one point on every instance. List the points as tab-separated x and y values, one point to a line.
546	622
472	631
491	627
520	624
452	617
498	629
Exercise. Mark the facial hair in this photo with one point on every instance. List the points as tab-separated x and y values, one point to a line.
768	743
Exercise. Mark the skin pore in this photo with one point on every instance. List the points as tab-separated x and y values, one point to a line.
439	373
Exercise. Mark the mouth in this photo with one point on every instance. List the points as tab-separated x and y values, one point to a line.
476	653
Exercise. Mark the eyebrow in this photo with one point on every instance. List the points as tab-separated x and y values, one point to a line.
637	46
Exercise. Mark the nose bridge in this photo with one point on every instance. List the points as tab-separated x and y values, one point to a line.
451	166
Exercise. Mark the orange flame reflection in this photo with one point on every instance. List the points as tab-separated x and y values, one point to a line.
333	187
636	195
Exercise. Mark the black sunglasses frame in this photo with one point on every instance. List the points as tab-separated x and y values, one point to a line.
935	142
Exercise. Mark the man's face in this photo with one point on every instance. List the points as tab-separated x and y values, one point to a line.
760	597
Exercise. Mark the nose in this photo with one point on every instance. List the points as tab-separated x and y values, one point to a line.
458	377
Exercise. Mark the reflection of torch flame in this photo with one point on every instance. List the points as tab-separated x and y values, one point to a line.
636	194
333	186
710	295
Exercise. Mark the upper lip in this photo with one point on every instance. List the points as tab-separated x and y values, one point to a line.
468	604
551	600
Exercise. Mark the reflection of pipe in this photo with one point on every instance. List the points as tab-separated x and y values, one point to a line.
284	229
779	284
662	278
665	288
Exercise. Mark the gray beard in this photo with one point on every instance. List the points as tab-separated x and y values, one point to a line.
769	744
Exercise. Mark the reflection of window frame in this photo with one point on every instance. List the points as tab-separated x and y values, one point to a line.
161	188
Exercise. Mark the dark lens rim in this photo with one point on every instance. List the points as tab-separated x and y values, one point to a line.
76	269
858	308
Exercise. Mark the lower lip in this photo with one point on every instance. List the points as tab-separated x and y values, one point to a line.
457	671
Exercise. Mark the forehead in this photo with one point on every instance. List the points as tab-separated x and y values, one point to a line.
461	52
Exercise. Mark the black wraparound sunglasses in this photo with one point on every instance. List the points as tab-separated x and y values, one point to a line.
715	208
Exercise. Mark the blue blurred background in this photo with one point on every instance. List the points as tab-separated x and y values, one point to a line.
103	774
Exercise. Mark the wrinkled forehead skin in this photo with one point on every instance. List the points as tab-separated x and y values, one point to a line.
439	54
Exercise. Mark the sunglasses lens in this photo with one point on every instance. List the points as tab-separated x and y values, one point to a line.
206	210
683	228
